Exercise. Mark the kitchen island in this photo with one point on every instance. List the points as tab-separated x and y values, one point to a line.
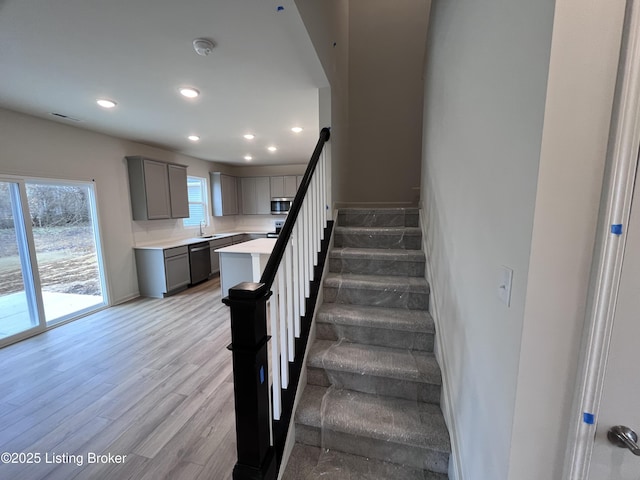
243	262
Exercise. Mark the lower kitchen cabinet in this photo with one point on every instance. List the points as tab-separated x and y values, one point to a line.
215	257
162	272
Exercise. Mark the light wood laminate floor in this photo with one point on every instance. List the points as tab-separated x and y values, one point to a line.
150	379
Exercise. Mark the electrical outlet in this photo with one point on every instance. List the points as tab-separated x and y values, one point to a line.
504	285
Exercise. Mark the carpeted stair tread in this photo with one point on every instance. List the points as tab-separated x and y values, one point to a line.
376	317
409	238
395	254
387	291
377	261
378	217
375	361
388	327
312	463
378	230
401	422
377	282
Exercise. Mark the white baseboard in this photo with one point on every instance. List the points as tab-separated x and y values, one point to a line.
446	399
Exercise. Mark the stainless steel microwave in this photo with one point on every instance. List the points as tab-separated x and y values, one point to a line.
281	206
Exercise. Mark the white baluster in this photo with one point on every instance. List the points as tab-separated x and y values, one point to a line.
300	233
289	300
295	281
318	217
282	337
309	244
307	248
275	353
323	183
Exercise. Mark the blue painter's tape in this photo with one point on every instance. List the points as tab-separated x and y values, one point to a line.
280	8
261	375
588	418
616	229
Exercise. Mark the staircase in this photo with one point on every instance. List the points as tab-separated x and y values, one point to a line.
370	408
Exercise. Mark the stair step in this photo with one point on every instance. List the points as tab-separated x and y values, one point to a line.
312	463
409	238
377	290
388	327
378	217
377	370
377	261
393	430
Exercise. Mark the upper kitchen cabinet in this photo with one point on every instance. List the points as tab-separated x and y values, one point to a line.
224	194
158	189
178	192
283	186
256	195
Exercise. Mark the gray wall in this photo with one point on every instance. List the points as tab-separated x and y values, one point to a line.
518	99
375	72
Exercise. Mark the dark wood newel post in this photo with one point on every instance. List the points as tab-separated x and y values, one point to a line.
256	456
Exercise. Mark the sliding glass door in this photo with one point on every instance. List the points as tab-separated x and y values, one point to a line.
18	305
50	262
66	245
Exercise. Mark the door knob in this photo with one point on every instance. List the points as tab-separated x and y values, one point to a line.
624	437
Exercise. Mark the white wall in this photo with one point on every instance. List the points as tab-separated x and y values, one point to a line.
35	147
484	93
327	23
517	108
574	144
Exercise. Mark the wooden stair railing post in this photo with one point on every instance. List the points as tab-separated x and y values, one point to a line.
256	456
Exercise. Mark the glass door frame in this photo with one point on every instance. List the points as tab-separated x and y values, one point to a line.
28	265
97	236
26	244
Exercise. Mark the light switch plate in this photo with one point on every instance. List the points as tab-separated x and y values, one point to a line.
504	285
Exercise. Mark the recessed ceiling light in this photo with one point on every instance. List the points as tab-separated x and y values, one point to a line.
296	129
249	136
272	148
193	138
189	92
104	103
248	157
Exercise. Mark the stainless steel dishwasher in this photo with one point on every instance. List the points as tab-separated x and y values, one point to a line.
199	262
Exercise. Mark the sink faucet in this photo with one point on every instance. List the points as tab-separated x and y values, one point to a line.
201	230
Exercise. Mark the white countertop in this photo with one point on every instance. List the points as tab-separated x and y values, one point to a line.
260	246
177	242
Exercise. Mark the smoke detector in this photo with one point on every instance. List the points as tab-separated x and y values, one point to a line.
203	46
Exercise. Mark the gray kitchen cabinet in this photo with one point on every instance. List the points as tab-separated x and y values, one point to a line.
158	189
283	186
256	195
162	272
224	194
178	193
248	190
263	196
215	257
254	236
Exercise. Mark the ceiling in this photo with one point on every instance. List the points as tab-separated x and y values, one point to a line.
262	76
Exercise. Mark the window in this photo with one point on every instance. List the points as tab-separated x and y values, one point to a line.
198	212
